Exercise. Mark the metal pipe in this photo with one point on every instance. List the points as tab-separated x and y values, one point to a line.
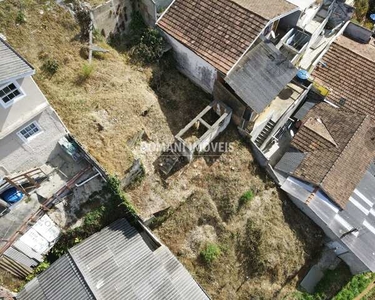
87	180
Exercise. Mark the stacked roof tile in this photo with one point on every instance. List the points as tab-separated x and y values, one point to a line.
349	77
337	152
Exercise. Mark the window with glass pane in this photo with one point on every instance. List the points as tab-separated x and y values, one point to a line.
29	131
9	92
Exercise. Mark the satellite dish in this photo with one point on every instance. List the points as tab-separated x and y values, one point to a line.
372	17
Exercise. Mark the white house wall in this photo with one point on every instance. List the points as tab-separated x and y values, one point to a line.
22	107
194	67
17	155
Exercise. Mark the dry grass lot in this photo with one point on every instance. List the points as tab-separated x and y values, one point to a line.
264	243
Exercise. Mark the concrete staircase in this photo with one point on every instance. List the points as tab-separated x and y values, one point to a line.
265	133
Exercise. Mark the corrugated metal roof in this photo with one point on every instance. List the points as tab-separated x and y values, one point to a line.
11	63
359	214
61	280
20	258
290	161
261	75
116	263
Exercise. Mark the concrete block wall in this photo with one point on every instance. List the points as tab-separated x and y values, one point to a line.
112	16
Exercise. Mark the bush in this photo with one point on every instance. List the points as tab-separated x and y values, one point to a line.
150	47
86	71
39	269
210	253
21	17
246	197
50	66
361	9
356	286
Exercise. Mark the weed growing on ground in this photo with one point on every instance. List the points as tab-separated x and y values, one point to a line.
86	72
246	198
21	17
355	286
210	253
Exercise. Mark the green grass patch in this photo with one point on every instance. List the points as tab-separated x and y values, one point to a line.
210	253
246	198
355	286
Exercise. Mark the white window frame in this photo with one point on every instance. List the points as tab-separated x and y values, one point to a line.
11	102
25	140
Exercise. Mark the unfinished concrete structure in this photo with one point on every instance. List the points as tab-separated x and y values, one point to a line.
196	136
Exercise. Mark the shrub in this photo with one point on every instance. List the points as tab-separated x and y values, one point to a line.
150	47
39	269
361	9
356	286
86	71
21	17
210	253
50	66
246	197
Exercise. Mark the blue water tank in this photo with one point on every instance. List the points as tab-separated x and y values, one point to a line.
12	195
303	75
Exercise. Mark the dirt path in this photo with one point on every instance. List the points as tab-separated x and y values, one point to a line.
365	292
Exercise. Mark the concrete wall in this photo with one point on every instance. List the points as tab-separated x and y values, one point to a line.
112	16
222	94
214	132
194	67
148	10
17	155
23	106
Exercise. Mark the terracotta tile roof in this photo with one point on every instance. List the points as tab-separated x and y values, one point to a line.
337	152
218	31
349	75
267	9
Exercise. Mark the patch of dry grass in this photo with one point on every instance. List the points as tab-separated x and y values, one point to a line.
118	101
106	110
11	282
263	261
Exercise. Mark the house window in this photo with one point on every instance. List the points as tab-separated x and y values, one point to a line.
9	93
30	131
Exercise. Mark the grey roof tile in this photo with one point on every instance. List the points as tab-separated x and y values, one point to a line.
11	63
